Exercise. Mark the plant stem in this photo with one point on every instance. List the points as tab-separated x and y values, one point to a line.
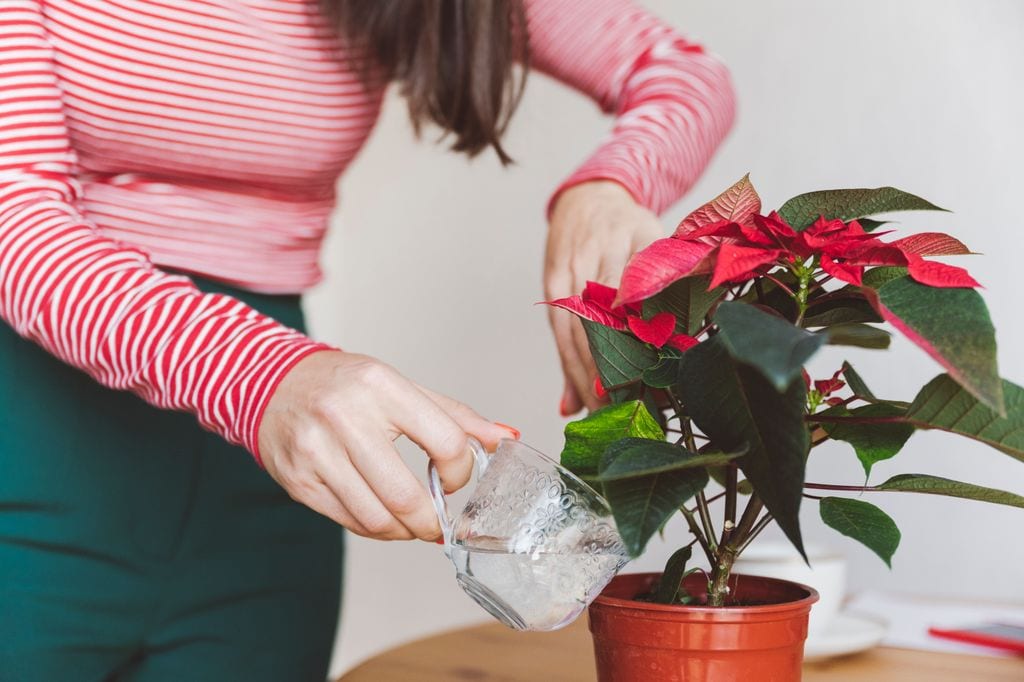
802	293
823	419
782	286
718	588
731	482
713	498
760	526
677	407
750	514
705	520
846	488
695	529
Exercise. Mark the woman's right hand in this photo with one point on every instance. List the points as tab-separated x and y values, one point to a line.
327	437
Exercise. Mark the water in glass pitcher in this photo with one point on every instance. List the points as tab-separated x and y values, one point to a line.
536	591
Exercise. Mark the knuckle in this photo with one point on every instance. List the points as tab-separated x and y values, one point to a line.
406	501
304	447
380	525
323	405
372	374
452	446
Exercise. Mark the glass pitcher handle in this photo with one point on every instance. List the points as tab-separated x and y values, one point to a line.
437	490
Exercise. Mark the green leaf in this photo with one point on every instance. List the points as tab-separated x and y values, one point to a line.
951	325
933	485
944	404
641	505
688	299
639	457
666	372
857	334
846	204
870	225
620	358
718	475
840	311
586	439
856	384
736	407
768	343
672	576
773	296
864	522
872	442
876	277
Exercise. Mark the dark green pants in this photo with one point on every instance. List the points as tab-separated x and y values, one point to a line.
136	547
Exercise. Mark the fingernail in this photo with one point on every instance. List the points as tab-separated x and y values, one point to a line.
563	406
598	388
439	541
514	431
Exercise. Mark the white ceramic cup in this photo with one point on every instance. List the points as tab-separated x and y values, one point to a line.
826	574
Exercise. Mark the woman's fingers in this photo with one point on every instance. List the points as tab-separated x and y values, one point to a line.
326	480
400	492
484	430
586	369
571	403
572	365
430	427
340	475
324	501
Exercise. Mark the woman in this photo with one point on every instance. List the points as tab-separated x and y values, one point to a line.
167	168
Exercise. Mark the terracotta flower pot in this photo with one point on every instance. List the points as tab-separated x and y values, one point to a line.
642	642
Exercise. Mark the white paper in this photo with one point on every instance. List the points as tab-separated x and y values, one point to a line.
910	617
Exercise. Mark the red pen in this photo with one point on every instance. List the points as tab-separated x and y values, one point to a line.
994	635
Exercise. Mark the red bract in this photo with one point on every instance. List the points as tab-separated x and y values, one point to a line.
738	251
663	262
740	263
827	387
682	341
596	304
655	331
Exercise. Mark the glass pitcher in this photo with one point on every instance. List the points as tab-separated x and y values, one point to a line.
534	544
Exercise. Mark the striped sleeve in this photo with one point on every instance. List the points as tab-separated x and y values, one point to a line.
673	101
97	304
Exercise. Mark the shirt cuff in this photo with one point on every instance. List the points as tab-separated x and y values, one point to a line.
594	170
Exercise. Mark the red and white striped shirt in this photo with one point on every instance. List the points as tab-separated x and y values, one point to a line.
206	136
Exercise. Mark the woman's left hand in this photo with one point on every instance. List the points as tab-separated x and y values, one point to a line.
595	227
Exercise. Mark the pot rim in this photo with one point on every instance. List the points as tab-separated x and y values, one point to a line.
604	601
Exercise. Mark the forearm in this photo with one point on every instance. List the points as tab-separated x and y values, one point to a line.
673	101
106	310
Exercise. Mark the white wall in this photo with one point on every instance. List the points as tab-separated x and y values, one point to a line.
434	264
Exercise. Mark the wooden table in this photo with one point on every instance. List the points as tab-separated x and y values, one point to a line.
492	653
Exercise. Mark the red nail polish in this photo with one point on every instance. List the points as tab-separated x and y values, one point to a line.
512	430
598	388
439	541
563	409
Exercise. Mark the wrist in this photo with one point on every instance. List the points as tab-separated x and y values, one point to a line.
277	376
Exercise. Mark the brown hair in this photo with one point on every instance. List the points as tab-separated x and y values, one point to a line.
453	58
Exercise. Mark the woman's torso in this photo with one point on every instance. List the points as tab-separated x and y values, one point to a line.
211	132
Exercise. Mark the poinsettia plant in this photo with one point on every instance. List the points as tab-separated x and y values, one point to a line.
702	351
